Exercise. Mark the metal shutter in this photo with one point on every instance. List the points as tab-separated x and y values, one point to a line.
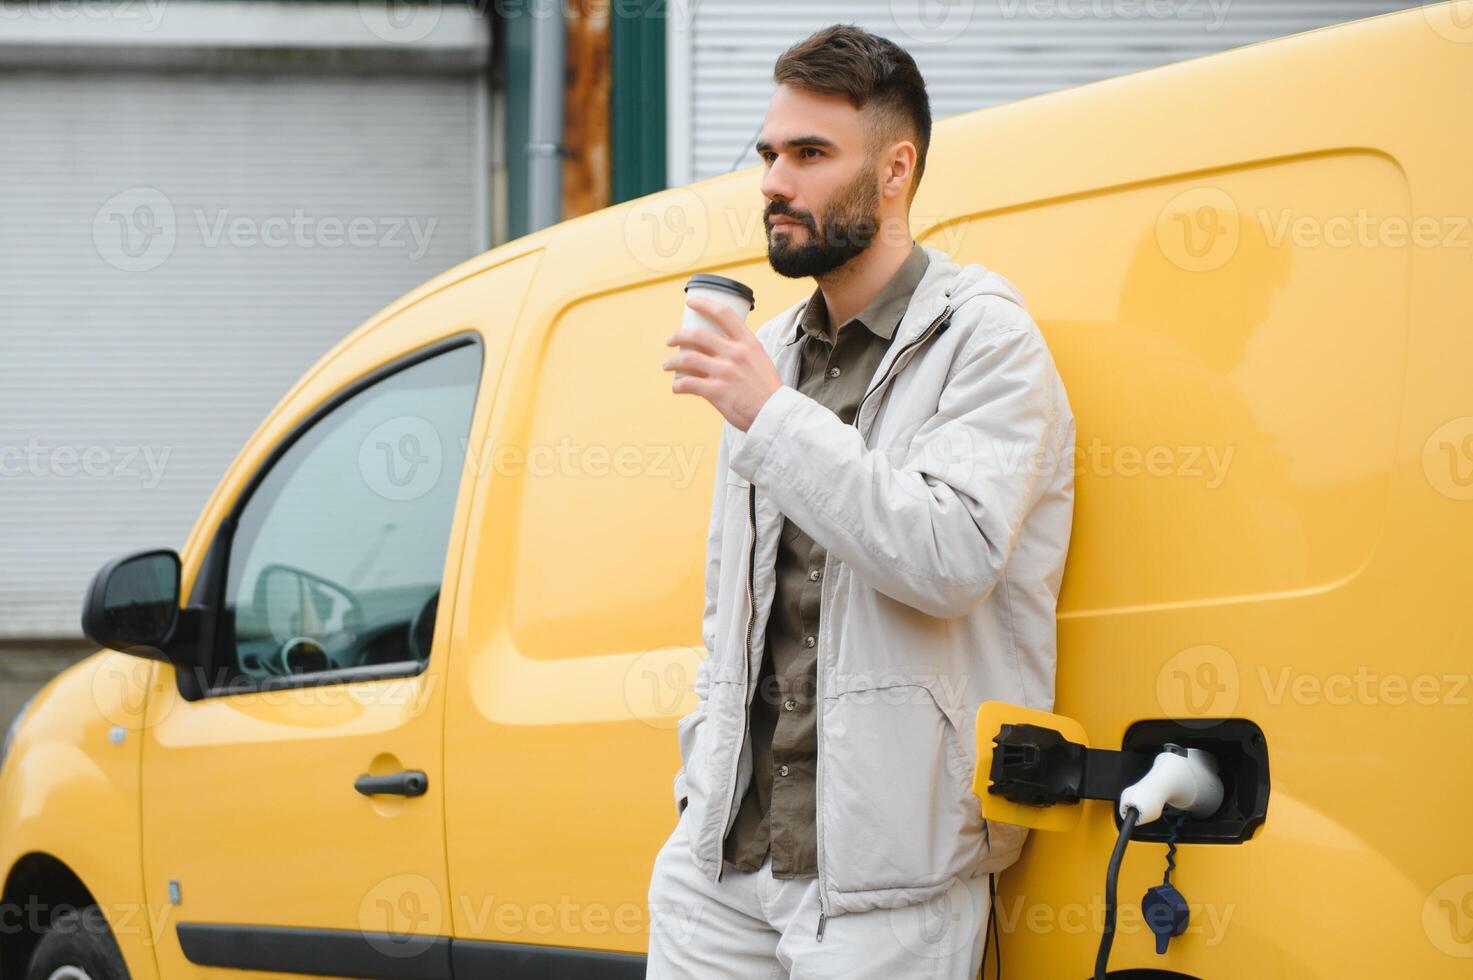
972	54
106	355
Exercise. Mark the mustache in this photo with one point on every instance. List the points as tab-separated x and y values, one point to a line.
803	219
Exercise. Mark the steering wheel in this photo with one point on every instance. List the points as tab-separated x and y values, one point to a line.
299	655
422	628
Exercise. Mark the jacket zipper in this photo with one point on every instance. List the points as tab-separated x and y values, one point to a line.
823	914
746	661
895	365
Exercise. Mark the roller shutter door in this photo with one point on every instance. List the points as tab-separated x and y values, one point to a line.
972	54
175	250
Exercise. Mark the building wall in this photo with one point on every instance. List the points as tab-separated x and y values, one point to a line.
973	53
194	210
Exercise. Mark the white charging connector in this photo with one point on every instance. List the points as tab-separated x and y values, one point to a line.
1186	779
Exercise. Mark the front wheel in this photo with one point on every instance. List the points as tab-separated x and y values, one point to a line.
78	946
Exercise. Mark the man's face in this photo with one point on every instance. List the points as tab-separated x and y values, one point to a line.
821	187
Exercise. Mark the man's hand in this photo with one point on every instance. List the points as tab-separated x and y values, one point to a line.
731	371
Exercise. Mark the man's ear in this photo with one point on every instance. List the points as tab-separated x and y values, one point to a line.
902	152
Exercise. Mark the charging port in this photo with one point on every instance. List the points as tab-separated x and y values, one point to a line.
1241	752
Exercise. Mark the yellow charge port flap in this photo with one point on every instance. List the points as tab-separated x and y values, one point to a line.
991	716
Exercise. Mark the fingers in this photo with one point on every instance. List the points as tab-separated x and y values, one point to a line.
695	385
690	362
724	316
697	338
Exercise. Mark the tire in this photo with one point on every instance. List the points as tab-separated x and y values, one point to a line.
78	946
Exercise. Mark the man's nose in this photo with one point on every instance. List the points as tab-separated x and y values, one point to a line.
775	183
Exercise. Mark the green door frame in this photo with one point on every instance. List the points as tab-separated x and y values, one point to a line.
637	98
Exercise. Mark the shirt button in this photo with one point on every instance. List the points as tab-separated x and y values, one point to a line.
782	770
813	575
833	372
790	704
808	640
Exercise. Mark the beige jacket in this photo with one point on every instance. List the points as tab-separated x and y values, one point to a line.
946	511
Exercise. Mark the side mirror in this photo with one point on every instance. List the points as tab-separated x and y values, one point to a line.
292	602
133	604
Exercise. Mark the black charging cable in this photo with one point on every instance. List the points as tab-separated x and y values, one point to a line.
993	940
995	935
1112	880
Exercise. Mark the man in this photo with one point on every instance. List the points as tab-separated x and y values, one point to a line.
893	503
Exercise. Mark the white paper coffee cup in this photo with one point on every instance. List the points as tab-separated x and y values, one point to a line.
735	295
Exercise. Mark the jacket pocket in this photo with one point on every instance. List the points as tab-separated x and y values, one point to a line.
695	768
686	730
897	802
728	662
704	743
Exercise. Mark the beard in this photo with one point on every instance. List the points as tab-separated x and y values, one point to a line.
848	227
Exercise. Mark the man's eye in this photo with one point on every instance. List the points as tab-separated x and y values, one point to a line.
815	150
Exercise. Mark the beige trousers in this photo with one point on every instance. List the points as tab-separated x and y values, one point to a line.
752	926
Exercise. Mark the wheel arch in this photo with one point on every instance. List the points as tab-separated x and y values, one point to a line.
38	886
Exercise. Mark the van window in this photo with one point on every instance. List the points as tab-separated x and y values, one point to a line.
338	555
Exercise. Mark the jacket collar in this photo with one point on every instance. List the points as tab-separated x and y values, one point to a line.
882	314
942	279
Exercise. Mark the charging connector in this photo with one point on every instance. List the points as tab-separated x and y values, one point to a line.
1185	779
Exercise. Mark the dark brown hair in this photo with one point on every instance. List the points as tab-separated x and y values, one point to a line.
875	74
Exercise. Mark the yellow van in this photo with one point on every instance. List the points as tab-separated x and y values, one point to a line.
404	703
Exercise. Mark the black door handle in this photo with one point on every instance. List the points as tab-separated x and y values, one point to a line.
410	782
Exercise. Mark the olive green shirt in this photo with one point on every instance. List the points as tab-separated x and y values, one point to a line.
777	810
